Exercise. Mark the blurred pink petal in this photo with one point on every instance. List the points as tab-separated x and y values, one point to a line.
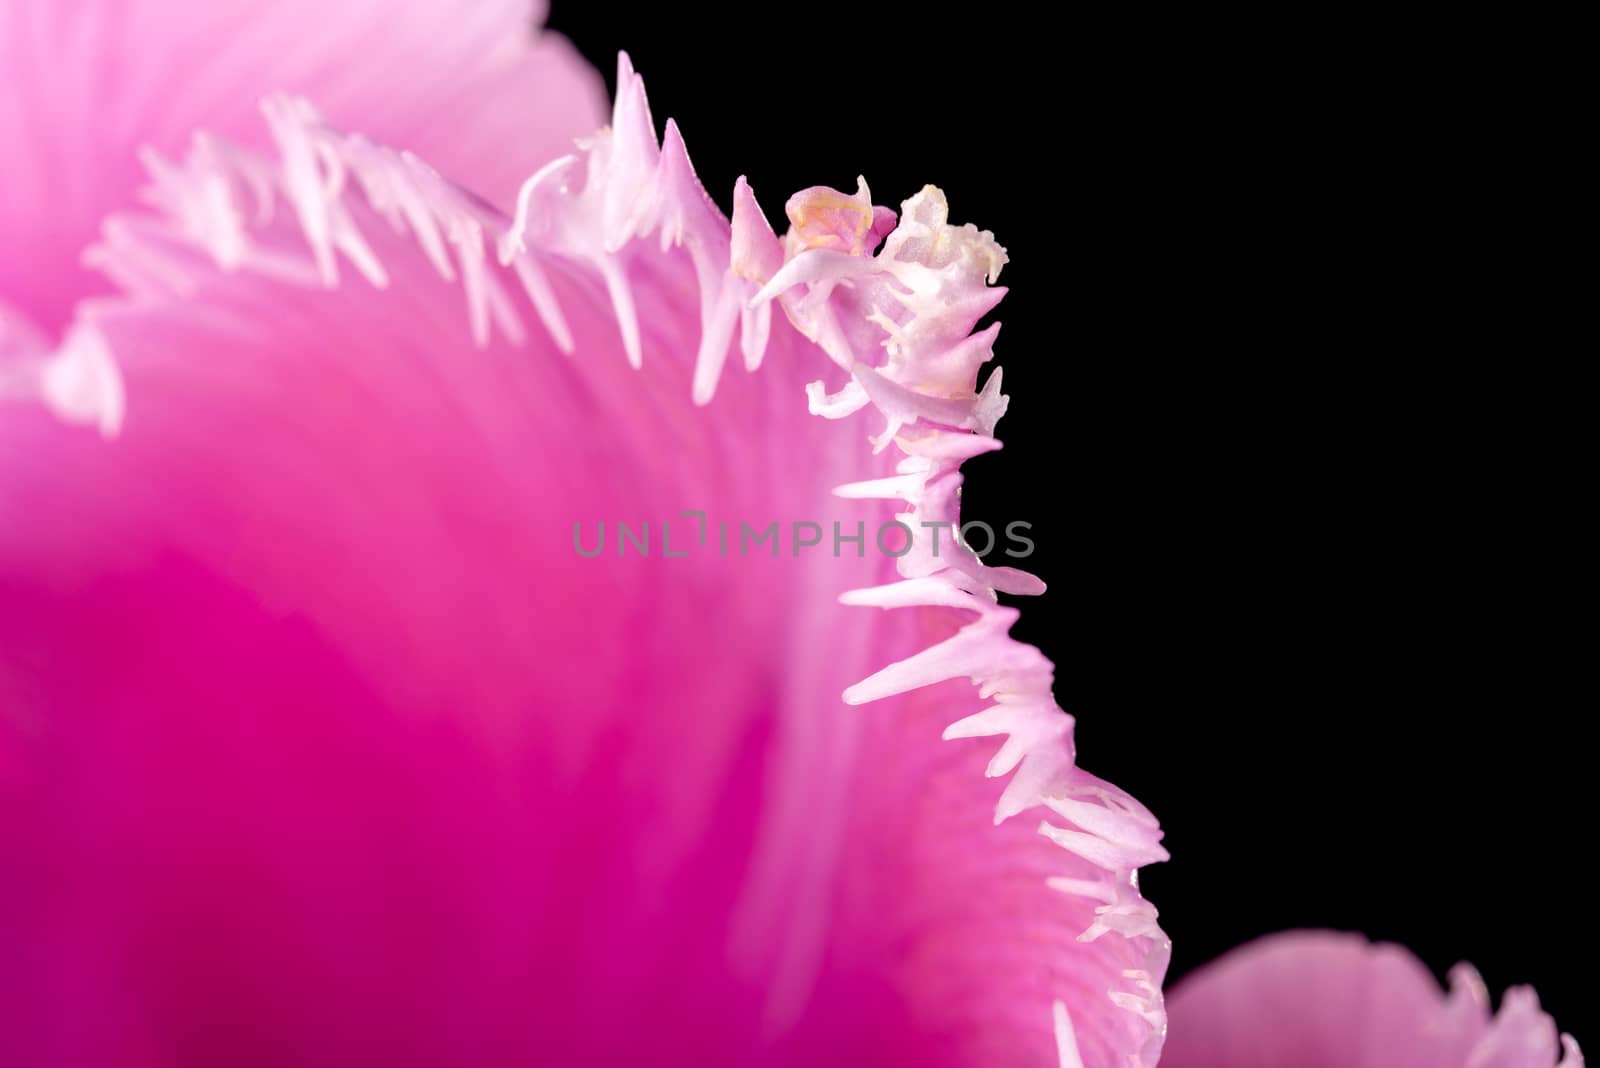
1317	999
90	84
325	746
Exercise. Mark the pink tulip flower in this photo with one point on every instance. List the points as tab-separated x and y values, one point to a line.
438	562
327	734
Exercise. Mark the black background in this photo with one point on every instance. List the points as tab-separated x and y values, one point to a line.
1292	485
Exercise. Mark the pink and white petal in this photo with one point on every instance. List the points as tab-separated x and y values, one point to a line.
338	629
89	84
1332	1000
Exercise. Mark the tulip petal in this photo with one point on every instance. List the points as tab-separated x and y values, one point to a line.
335	548
1319	998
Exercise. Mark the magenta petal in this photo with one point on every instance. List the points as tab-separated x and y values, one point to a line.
330	745
1326	1000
